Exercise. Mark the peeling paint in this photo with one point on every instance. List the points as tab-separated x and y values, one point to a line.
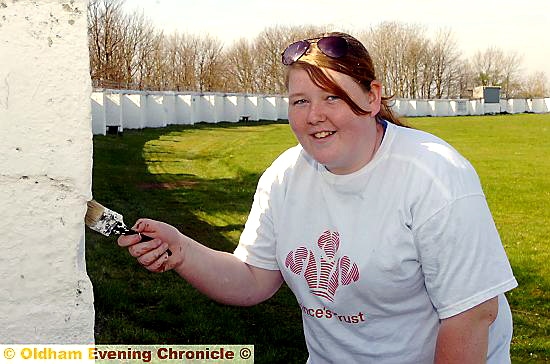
69	8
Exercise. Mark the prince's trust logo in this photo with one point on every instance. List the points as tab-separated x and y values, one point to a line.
325	275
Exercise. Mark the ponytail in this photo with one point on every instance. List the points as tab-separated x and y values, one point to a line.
387	114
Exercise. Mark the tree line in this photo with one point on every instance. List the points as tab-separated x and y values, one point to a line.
127	51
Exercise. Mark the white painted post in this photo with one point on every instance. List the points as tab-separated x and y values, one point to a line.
459	107
113	110
282	108
252	106
522	106
45	173
133	110
472	107
241	106
431	108
184	108
156	114
230	108
479	107
528	105
504	105
411	108
219	111
268	110
441	107
169	106
422	108
207	111
399	106
98	113
539	106
196	107
517	106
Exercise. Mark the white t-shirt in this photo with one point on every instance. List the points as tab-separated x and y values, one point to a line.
377	257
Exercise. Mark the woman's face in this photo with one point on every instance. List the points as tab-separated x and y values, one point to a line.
325	125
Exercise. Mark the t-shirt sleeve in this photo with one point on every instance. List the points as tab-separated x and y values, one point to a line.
257	244
462	257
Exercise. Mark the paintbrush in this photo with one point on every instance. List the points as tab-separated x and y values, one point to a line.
108	222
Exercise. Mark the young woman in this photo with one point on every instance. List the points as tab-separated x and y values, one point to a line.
382	232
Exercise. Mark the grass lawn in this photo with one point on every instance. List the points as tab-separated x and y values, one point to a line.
202	178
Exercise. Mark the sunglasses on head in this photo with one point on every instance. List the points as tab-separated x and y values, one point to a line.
331	46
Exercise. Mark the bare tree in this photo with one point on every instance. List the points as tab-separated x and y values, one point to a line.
153	64
242	67
511	67
486	66
445	62
416	57
410	64
138	35
385	45
208	63
535	85
106	19
269	45
182	51
119	44
464	79
400	54
493	67
126	51
145	50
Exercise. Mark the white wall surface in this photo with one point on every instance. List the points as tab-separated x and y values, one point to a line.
45	172
99	125
131	109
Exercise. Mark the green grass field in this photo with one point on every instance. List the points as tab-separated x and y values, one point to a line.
202	178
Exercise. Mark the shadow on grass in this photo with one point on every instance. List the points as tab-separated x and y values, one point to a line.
134	306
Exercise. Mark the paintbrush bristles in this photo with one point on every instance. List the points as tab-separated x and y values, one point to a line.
94	212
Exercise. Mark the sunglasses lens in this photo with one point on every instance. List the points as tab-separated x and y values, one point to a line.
294	51
334	47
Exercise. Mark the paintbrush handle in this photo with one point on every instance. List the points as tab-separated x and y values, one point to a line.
144	238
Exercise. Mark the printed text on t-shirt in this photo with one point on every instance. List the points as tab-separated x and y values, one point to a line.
325	313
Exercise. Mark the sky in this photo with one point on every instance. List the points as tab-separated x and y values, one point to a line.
521	26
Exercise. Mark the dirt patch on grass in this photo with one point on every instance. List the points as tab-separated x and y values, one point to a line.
166	185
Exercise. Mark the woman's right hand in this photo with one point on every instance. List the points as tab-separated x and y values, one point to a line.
153	254
218	274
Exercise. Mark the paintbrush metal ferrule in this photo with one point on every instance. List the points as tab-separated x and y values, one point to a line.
108	223
111	222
